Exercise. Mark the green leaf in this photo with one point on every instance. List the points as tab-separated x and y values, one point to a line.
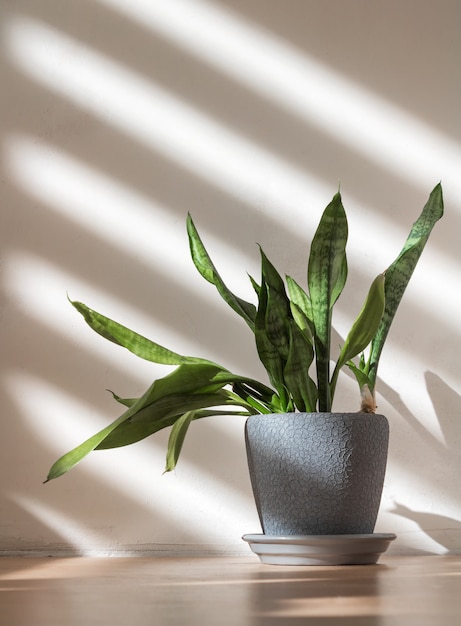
253	399
327	272
270	275
360	375
160	414
186	378
363	329
399	273
69	460
368	404
268	354
296	372
164	410
272	326
259	396
302	304
176	439
189	387
125	401
256	286
276	323
132	341
204	265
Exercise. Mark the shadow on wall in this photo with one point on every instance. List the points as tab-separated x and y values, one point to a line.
442	460
445	531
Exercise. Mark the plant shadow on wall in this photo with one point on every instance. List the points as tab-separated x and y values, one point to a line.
441	458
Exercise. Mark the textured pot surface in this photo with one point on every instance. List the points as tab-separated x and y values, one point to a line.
317	473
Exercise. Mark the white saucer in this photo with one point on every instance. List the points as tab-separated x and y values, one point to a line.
319	549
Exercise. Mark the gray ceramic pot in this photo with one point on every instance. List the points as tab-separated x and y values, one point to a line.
317	473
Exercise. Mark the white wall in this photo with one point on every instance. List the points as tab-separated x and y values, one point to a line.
118	118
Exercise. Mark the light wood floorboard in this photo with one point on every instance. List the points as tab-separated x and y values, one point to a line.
234	591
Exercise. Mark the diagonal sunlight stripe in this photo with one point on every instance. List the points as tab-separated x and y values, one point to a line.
129	220
79	537
101	205
155	118
134	471
25	275
305	87
135	224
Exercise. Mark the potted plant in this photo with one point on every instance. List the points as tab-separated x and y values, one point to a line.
293	438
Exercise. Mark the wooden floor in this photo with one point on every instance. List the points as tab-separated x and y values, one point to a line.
233	591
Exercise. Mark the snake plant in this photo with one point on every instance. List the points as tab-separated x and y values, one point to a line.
292	330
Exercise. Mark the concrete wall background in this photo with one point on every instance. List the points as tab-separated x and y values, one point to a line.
118	118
